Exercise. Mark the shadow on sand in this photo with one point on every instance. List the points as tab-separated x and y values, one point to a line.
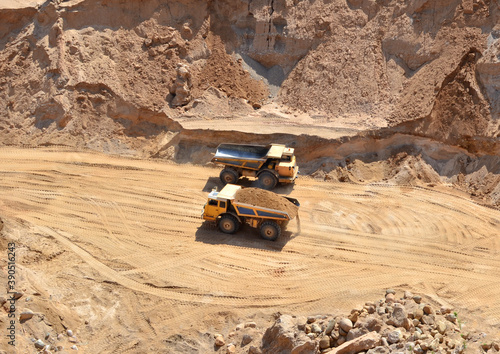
245	237
215	182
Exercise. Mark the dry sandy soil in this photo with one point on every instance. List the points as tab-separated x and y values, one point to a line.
114	249
110	111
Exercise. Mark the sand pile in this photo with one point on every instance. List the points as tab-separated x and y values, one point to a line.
223	72
266	199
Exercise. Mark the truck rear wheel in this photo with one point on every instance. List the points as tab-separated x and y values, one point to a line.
267	180
269	230
228	175
229	224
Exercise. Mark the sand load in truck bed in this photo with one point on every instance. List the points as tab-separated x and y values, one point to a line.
266	199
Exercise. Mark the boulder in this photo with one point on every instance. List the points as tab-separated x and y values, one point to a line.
305	347
280	338
371	323
182	86
324	342
219	340
363	343
25	315
331	326
345	324
231	349
390	298
315	328
355	333
246	339
251	325
39	344
399	316
394	336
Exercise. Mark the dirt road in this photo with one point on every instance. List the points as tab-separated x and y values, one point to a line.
132	228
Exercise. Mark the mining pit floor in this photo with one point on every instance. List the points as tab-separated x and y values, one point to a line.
131	229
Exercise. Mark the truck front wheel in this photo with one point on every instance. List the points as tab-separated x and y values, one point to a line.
228	175
229	224
267	180
269	230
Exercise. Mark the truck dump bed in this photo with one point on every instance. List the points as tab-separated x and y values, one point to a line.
264	204
247	210
245	152
256	202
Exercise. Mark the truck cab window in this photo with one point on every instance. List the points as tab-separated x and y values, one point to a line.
222	204
212	202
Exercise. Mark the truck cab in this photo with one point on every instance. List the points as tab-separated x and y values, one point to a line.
213	208
218	202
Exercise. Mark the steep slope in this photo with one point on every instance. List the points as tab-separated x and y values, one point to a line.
74	69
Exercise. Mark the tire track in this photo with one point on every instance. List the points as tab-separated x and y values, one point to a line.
118	215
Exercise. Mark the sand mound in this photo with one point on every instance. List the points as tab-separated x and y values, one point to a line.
267	199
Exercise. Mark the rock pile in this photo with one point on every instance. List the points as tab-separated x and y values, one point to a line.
391	325
266	199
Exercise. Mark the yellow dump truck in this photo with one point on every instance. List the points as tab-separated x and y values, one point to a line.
229	210
270	164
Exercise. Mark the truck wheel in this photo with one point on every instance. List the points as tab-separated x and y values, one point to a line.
269	230
229	224
228	176
267	180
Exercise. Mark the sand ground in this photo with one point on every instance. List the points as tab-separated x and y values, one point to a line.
120	242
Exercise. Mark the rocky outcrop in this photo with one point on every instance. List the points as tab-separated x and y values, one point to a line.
488	68
392	62
460	109
182	86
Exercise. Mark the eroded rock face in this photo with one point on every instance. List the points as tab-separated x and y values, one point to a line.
488	68
397	69
460	108
73	73
265	32
393	62
365	342
72	66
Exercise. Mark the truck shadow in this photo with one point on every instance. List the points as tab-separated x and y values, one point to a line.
284	188
245	237
215	182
